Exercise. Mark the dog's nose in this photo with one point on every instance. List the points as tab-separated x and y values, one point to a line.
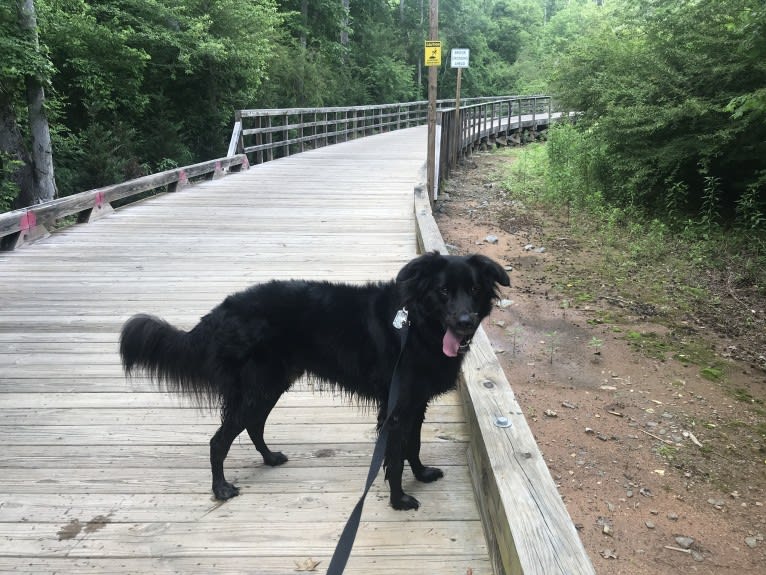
465	322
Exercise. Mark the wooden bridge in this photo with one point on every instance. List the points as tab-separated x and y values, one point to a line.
99	474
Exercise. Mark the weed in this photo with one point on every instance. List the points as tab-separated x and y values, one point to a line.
649	344
743	395
712	373
552	347
666	452
515	334
595	343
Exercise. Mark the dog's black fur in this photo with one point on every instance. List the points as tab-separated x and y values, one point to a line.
250	349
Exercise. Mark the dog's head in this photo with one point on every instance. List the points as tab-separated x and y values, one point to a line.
455	291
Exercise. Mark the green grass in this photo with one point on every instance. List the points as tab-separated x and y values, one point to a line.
649	344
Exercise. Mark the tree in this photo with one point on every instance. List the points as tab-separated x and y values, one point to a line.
672	93
40	136
28	176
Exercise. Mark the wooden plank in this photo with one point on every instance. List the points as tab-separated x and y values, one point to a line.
156	434
62	508
171	416
310	454
226	539
253	478
539	536
295	398
477	564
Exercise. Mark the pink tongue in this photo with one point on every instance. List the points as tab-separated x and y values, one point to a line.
450	344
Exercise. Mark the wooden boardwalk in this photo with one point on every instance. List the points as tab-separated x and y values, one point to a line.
99	474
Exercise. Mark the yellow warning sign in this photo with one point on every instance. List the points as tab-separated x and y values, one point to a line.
433	56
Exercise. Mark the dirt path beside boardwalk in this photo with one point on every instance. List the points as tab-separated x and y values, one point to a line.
662	469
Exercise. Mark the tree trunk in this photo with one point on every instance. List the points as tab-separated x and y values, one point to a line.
304	21
42	153
344	24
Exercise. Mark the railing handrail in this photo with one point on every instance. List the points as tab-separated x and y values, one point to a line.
22	226
253	112
269	133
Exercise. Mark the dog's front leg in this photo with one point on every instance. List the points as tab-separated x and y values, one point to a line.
394	464
421	472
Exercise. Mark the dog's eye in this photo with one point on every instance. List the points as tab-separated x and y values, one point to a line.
444	291
475	289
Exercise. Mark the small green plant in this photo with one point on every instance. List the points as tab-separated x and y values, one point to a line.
649	344
712	373
666	451
515	335
710	209
743	395
595	343
750	209
552	344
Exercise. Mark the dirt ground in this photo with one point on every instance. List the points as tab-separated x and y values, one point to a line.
662	470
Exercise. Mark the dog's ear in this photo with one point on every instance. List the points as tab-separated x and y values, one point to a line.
416	278
490	269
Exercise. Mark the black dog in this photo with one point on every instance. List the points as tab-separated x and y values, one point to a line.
250	349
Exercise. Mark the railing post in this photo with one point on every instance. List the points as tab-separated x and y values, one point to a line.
550	119
300	131
269	140
259	155
345	125
286	134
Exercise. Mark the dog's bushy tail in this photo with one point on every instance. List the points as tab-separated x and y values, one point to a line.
170	356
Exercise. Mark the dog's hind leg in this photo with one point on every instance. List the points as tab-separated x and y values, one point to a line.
265	384
219	449
255	424
412	452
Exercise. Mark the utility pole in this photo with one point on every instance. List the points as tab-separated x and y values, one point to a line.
433	71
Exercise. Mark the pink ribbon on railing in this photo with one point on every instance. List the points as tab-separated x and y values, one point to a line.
28	221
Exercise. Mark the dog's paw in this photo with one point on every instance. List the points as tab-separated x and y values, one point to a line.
225	490
429	474
275	458
404	502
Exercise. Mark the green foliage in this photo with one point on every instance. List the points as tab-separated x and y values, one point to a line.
19	56
526	178
131	84
146	80
8	190
673	94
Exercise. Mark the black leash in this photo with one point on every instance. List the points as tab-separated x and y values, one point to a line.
346	541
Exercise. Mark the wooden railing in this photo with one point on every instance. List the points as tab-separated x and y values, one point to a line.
513	119
28	224
266	134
